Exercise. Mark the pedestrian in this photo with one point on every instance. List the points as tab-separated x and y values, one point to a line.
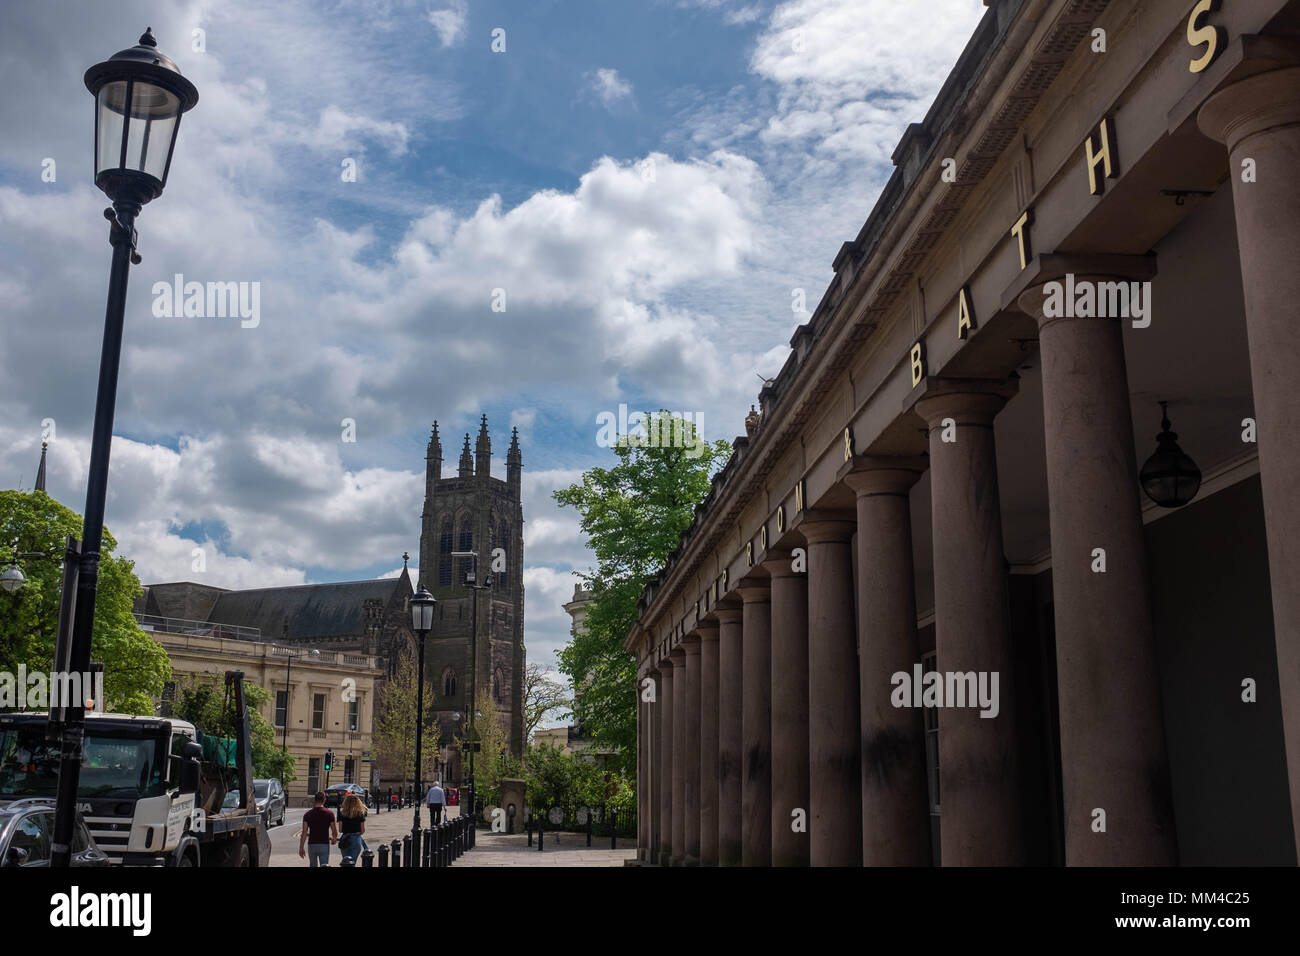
318	831
352	822
436	799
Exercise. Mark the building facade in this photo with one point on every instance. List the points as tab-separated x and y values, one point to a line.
474	512
320	701
1099	213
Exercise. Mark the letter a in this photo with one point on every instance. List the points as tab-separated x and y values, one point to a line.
1098	820
1098	560
1248	690
798	820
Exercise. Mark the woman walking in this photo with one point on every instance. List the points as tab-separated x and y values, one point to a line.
352	823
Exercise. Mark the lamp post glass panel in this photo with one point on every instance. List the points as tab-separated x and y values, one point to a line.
140	96
422	603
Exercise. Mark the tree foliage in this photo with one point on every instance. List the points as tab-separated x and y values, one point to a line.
492	760
135	665
394	738
202	702
542	696
633	515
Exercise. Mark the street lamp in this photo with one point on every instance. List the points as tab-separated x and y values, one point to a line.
422	603
289	658
139	98
1169	477
471	579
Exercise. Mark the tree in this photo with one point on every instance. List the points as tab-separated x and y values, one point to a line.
135	665
203	703
394	738
493	741
633	515
541	697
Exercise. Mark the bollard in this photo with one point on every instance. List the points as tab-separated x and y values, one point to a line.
589	816
397	854
347	861
408	858
446	843
426	858
541	829
415	847
368	859
435	850
528	825
613	830
383	856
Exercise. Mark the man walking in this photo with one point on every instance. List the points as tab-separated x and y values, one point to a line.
436	799
319	830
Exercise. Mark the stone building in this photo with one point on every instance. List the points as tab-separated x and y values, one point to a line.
1099	213
473	511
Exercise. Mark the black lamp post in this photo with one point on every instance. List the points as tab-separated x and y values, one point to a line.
422	603
139	98
471	582
289	658
1169	477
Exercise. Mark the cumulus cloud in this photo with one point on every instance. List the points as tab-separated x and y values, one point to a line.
608	87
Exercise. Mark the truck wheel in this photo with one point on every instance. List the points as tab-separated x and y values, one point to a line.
244	859
186	860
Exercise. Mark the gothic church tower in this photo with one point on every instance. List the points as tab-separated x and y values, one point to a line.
473	511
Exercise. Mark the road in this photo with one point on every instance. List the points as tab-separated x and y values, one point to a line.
380	828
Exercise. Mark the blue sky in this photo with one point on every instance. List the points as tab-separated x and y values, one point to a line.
648	183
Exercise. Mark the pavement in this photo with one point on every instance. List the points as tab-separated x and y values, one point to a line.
492	849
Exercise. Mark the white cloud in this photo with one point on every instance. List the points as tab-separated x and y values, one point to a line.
608	86
451	22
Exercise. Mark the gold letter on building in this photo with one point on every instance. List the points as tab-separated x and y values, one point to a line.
1213	37
918	363
848	442
1102	155
1021	231
798	496
965	314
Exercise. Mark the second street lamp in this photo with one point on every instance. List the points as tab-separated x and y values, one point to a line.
422	603
471	582
140	96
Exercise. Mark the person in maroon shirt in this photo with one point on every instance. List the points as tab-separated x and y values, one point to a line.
319	830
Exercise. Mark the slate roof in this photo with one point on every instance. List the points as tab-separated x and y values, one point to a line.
312	610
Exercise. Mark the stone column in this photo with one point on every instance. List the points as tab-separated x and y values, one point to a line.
642	776
834	748
1113	755
895	794
664	783
680	694
692	731
730	709
708	743
981	822
1258	118
789	708
756	726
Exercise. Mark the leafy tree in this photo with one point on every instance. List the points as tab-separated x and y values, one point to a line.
394	738
542	696
201	701
135	665
633	515
494	740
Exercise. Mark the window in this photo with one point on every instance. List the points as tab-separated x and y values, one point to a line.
318	712
281	707
313	775
465	542
354	715
449	682
30	844
444	552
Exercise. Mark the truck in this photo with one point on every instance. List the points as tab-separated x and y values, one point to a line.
151	788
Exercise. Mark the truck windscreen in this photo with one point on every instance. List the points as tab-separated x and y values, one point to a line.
111	765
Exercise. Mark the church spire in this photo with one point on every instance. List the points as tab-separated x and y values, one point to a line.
514	460
466	460
434	455
40	471
483	451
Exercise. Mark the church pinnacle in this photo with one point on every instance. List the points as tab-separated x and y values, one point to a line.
40	471
434	455
483	451
466	460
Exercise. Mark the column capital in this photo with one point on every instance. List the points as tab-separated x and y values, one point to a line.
678	656
692	648
818	525
968	401
1261	102
708	631
1026	291
777	563
755	590
729	614
883	474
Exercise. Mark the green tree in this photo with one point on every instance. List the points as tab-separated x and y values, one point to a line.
494	740
202	702
633	515
542	696
394	739
135	665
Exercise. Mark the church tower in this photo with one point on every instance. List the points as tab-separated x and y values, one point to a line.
473	511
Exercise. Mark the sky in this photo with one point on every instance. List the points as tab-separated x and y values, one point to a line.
535	210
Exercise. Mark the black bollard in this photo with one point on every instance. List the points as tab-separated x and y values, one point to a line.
368	859
613	830
415	848
408	859
528	825
347	861
397	854
383	856
427	849
541	829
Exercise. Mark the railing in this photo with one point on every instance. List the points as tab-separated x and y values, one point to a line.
435	846
596	821
176	625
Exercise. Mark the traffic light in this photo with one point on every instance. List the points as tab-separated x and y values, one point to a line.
329	759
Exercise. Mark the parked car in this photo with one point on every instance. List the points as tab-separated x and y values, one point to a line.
271	800
335	793
453	796
27	830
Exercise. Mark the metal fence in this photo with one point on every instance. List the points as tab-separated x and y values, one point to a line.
598	823
435	846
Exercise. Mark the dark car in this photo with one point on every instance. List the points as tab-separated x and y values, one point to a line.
335	793
271	800
27	830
